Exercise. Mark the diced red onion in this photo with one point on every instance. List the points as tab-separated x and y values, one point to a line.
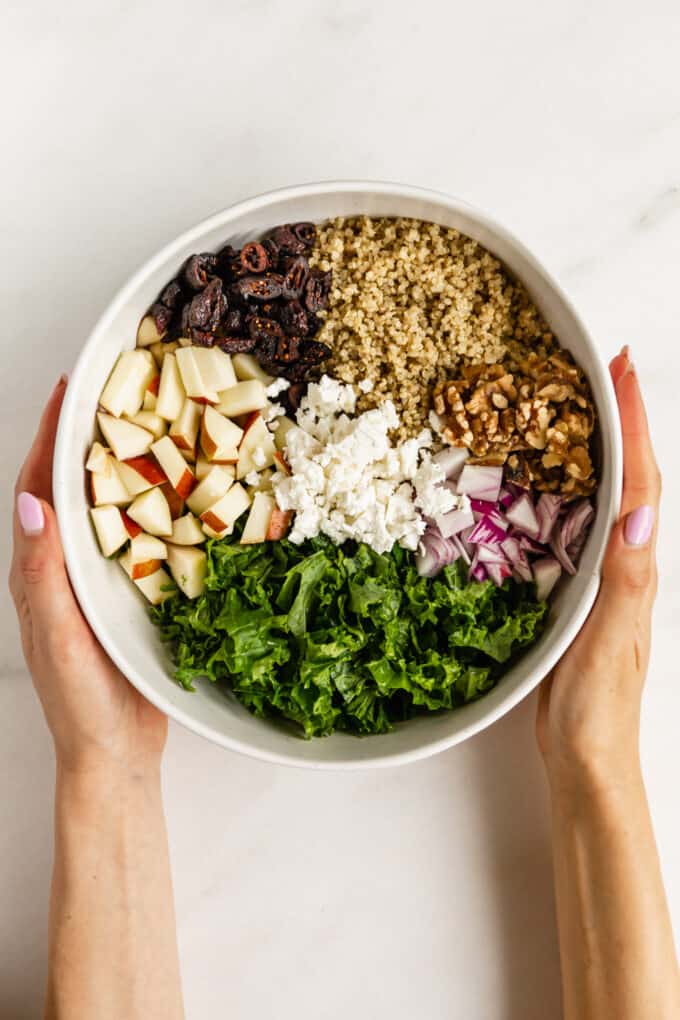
522	515
451	460
490	554
480	481
453	522
512	548
462	551
530	545
547	512
435	553
498	572
505	498
547	572
486	532
483	506
569	534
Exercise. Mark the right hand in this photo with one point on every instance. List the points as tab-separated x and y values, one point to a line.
589	708
98	719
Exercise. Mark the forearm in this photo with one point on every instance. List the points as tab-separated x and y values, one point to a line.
112	944
616	942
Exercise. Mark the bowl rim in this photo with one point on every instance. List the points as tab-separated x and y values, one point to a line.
61	454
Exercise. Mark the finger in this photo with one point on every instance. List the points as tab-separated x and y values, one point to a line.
618	365
39	575
641	480
36	474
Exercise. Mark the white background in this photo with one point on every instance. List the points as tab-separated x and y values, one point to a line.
420	892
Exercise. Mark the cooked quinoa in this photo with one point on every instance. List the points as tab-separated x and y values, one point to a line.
409	301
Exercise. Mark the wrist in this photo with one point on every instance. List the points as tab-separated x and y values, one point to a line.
593	775
97	773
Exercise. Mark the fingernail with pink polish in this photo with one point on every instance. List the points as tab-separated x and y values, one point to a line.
639	526
31	516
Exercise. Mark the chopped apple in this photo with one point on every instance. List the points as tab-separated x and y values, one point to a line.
257	449
140	473
248	367
124	391
220	438
213	487
155	586
146	553
192	378
184	341
175	501
149	403
130	526
179	474
161	348
227	510
150	421
281	463
188	567
151	510
171	395
125	439
260	514
211	533
187	531
109	488
147	332
99	460
244	397
217	371
184	429
109	527
203	467
279	523
281	432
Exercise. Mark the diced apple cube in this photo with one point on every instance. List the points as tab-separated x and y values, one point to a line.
248	367
152	512
227	510
140	473
146	553
184	430
161	348
99	460
257	449
153	585
260	514
211	533
125	439
179	474
175	501
244	397
124	391
109	488
220	438
281	433
171	394
279	524
133	529
187	531
212	488
150	421
109	527
188	566
192	379
217	371
147	332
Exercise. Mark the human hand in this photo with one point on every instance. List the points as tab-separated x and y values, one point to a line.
589	707
96	717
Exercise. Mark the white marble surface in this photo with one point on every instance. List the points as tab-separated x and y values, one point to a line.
423	892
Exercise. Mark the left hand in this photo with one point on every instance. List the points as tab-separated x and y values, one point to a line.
97	719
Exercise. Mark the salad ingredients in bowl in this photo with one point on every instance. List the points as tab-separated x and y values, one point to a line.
347	466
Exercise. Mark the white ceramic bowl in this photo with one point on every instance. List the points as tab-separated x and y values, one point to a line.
117	613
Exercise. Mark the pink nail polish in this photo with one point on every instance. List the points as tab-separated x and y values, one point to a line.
31	516
639	526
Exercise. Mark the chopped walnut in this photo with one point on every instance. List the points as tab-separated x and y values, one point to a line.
535	414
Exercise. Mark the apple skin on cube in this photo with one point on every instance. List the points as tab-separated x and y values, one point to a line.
109	528
227	510
192	379
146	553
256	437
109	488
125	439
188	566
248	367
152	512
279	523
140	473
171	393
184	430
151	586
220	438
187	530
212	488
244	397
211	533
175	501
259	517
147	332
125	388
178	472
130	526
281	463
161	348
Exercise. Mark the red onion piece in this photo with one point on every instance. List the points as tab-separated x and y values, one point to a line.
486	532
480	481
451	460
547	512
451	523
547	572
522	515
517	557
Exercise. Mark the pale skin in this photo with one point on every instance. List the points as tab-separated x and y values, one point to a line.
112	943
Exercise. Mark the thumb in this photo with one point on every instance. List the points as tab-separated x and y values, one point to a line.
38	569
629	570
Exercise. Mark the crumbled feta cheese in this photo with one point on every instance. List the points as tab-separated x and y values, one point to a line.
272	411
366	385
348	481
277	387
259	457
252	478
